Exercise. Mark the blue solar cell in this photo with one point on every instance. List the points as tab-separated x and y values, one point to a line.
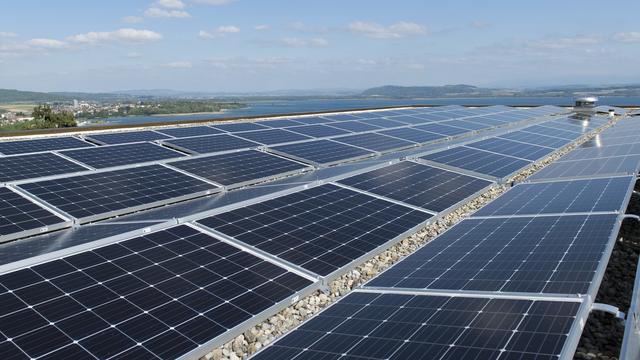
105	194
211	144
536	139
117	155
313	120
409	119
188	131
354	126
318	131
397	327
320	229
20	167
128	301
442	129
240	167
544	254
38	145
419	185
238	127
375	142
273	136
480	161
413	134
576	196
281	123
322	152
512	148
589	168
559	133
466	124
126	137
383	123
19	216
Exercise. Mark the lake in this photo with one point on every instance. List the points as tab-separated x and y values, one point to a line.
267	107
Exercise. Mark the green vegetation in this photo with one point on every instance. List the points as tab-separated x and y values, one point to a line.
166	107
44	118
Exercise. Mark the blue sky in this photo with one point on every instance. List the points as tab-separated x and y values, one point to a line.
250	45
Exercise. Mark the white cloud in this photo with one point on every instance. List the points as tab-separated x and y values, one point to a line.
171	4
134	55
627	37
221	31
214	2
299	42
132	19
156	12
565	42
297	25
480	25
395	31
7	34
262	27
120	35
47	43
180	65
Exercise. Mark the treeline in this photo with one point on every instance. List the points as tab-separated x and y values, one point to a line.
163	108
44	118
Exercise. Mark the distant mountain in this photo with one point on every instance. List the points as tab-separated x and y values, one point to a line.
11	95
426	91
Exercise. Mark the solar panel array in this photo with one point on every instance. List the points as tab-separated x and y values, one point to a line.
321	229
419	185
396	326
177	291
162	295
118	155
39	145
20	217
104	194
239	168
29	166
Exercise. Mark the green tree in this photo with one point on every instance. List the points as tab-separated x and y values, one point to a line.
47	118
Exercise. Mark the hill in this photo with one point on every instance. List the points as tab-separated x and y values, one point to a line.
426	91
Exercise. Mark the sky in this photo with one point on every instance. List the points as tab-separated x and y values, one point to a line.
267	45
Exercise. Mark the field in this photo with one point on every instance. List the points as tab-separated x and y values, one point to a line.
17	107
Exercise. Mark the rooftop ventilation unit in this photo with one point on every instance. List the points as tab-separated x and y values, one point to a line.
585	104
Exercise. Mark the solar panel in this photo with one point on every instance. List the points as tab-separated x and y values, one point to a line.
487	120
409	119
536	139
559	133
188	131
20	217
239	168
413	134
273	136
105	194
322	152
464	124
126	137
544	254
117	155
210	144
321	229
318	131
162	295
366	325
341	117
383	123
312	120
605	151
419	185
38	145
281	123
31	166
354	126
512	148
589	168
238	127
442	129
480	161
576	196
375	142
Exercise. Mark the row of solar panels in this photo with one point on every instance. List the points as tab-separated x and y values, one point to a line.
180	290
476	291
98	195
325	152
